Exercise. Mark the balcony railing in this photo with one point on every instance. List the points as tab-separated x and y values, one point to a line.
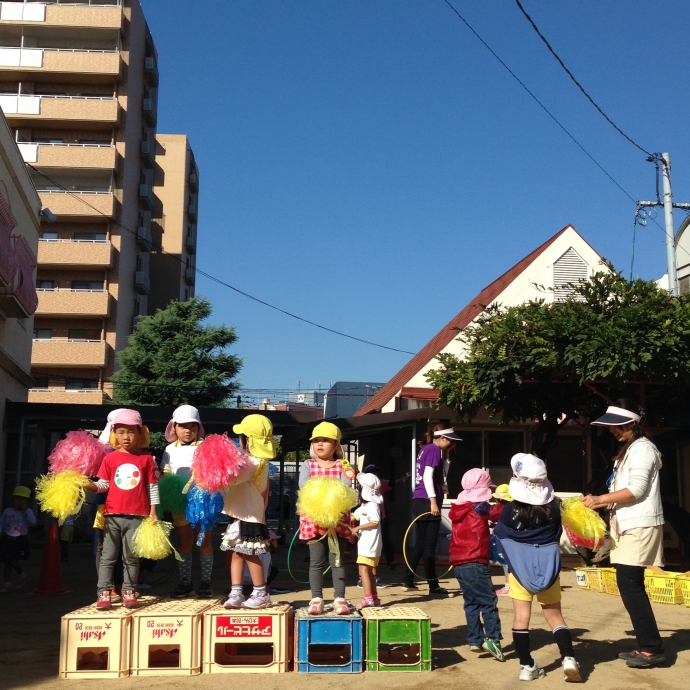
76	303
148	153
146	195
190	274
17	62
101	14
142	281
192	210
82	204
97	109
69	352
149	108
90	156
193	180
151	69
90	396
75	253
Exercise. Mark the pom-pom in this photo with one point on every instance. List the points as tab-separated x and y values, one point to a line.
218	463
583	526
61	494
324	501
170	490
203	508
79	451
151	539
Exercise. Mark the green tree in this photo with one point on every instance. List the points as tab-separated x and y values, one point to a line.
174	358
553	362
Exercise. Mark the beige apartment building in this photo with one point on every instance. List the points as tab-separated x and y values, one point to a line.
78	85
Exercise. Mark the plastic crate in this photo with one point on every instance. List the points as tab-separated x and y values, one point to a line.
685	589
96	644
610	582
397	639
663	589
239	641
328	643
595	578
581	577
166	638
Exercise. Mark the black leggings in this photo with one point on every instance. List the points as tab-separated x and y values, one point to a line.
427	530
630	579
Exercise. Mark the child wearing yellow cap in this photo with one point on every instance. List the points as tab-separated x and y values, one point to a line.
502	496
14	540
325	461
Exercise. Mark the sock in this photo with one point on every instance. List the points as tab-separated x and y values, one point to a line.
521	644
185	566
206	568
564	641
259	590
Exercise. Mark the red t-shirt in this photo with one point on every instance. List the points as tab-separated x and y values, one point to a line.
129	476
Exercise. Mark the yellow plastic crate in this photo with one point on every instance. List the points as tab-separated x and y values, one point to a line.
581	577
595	578
685	588
663	589
610	583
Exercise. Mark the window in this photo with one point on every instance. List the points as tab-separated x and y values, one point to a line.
43	333
684	285
87	285
41	382
89	237
81	384
568	270
499	448
45	284
49	235
77	334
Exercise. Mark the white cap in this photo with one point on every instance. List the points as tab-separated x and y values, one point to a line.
529	483
184	414
371	486
105	434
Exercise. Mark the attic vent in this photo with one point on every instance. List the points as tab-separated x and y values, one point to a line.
569	269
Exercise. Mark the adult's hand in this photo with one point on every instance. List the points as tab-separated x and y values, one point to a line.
592	502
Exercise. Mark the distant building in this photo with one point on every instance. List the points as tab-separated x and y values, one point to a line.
313	398
344	398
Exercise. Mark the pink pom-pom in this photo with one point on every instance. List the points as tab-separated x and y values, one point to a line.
79	451
218	463
577	540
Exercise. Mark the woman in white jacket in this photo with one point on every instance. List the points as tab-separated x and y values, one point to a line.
637	521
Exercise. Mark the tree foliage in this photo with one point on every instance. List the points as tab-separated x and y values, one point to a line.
539	361
174	358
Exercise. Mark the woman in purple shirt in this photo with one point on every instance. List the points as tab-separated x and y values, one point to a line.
428	498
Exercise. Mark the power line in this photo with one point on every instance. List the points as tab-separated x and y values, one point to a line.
541	105
222	282
577	83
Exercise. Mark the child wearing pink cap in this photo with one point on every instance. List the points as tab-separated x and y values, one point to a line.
131	479
469	553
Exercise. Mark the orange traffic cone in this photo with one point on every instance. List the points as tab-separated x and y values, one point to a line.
51	575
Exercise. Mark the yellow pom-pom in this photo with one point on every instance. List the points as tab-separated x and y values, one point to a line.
150	539
61	494
324	501
582	521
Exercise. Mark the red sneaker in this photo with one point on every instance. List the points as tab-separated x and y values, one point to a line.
129	599
103	603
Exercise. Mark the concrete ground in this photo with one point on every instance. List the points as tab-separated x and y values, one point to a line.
30	634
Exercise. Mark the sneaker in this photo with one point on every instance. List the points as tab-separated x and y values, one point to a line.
103	603
494	648
258	601
476	648
235	600
205	591
129	599
380	584
316	607
341	607
571	670
438	592
367	602
359	583
626	656
410	588
532	672
184	589
115	595
646	659
503	592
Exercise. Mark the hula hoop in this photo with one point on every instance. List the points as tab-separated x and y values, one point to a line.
404	544
289	553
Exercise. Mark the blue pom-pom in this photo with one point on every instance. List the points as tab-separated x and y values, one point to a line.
203	509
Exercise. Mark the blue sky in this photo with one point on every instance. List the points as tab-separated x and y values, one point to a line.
370	166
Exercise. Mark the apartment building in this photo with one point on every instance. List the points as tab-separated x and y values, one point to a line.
78	85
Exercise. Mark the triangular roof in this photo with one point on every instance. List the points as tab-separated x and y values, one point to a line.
450	331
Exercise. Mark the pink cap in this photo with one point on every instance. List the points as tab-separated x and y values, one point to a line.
125	416
477	485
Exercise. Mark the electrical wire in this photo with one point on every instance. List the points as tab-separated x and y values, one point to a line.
577	83
541	105
222	282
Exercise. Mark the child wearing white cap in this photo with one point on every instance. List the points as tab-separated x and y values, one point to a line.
184	433
534	519
369	546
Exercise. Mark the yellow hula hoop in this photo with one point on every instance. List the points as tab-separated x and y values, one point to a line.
404	545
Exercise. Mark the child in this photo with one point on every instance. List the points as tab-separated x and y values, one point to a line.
370	544
502	496
532	520
183	432
131	479
245	503
67	537
14	539
469	553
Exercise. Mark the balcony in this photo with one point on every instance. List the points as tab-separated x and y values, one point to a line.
149	108
142	281
98	112
83	304
62	352
75	254
146	196
148	152
67	397
79	205
190	275
93	66
192	210
144	239
194	180
85	156
151	70
101	14
190	242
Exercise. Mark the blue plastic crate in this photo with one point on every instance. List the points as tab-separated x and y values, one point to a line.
328	643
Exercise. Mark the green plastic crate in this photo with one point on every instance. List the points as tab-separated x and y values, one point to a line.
397	639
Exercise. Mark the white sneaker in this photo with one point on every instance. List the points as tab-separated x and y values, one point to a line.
316	607
571	670
531	672
235	600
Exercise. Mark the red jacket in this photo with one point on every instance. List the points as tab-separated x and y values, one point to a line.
469	542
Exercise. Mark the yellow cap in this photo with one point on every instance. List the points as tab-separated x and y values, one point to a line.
326	430
22	491
502	493
259	432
